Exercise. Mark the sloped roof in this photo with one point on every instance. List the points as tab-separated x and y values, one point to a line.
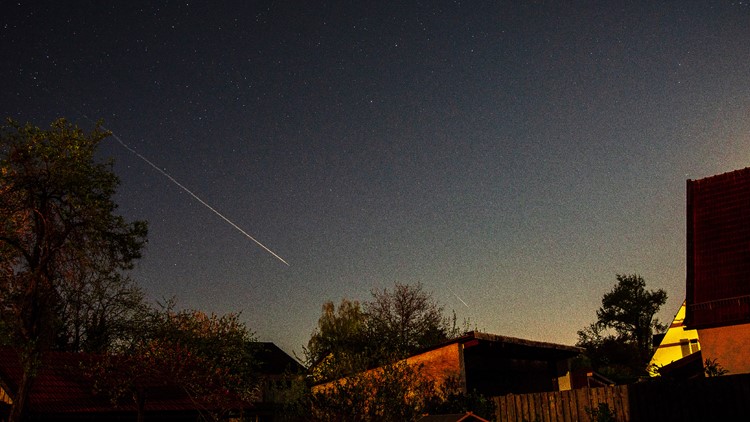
458	417
523	347
61	386
274	361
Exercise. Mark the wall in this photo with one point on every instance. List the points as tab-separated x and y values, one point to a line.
437	365
441	363
678	342
729	345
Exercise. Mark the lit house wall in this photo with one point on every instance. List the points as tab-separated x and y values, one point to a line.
678	342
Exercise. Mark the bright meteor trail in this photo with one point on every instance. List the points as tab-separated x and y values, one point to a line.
457	297
117	138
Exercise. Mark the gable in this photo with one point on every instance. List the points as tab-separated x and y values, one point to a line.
678	342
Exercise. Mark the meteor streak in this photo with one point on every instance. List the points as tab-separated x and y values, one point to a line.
457	297
117	138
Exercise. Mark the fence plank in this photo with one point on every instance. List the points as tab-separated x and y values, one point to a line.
572	406
568	406
522	406
499	408
722	398
512	409
625	400
582	403
533	408
555	412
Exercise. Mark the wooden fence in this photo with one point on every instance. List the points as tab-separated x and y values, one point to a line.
719	398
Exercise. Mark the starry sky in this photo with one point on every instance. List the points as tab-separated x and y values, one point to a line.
514	156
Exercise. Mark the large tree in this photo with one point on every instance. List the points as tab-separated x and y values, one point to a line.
394	392
98	313
208	357
407	319
394	324
58	227
340	345
626	322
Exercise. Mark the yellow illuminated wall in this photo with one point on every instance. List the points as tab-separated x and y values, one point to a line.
677	343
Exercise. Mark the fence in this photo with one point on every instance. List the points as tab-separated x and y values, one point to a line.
718	398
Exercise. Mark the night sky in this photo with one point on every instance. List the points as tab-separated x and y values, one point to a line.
512	156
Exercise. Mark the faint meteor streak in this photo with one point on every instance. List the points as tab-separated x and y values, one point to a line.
117	138
457	297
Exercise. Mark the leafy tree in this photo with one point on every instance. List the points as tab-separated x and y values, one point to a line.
57	226
407	319
611	355
449	398
340	345
394	392
359	349
630	310
620	341
97	314
208	357
394	324
397	391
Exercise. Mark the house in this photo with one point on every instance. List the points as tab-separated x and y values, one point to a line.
718	267
677	343
495	365
63	391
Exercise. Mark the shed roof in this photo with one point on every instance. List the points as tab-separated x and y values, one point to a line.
62	386
274	361
458	417
514	346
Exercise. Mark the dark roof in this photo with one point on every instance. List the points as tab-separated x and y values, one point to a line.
62	386
521	347
458	417
274	361
689	367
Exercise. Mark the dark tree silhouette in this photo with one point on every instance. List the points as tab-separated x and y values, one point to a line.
620	341
58	228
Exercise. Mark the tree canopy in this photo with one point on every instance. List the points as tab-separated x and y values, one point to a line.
392	325
340	345
619	343
58	231
630	310
210	357
407	319
64	256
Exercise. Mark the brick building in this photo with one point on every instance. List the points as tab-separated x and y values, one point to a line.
718	267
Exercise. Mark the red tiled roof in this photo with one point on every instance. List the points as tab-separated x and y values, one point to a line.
718	250
62	386
59	385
